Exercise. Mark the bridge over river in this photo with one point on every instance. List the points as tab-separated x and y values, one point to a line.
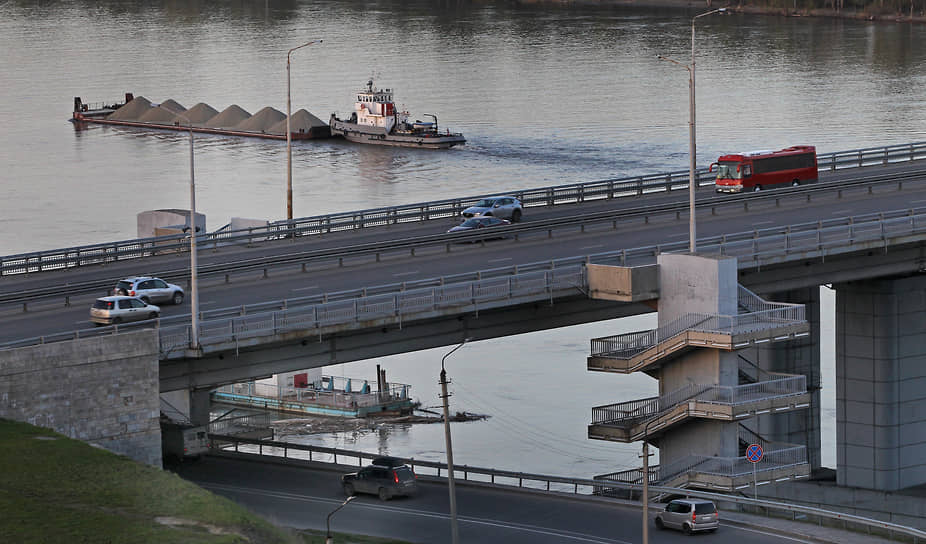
363	284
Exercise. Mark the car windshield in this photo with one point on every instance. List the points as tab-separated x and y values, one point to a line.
103	305
124	285
486	203
705	508
472	223
729	170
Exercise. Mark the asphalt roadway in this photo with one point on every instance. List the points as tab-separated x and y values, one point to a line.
301	497
51	316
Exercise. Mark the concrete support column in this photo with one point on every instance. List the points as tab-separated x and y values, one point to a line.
696	284
881	383
199	407
800	356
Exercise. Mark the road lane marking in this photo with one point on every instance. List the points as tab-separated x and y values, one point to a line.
499	260
412	273
305	288
843	212
596	246
566	535
761	532
763	223
570	535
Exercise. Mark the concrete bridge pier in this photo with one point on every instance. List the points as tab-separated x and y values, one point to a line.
881	383
799	356
187	404
693	284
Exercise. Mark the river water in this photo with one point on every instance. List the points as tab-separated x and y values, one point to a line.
545	94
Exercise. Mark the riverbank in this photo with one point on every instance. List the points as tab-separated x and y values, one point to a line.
56	489
870	13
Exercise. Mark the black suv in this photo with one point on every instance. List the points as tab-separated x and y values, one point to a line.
387	480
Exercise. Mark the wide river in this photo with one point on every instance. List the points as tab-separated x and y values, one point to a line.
545	93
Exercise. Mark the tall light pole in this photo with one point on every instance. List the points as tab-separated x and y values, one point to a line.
692	147
194	288
454	529
328	539
645	498
289	136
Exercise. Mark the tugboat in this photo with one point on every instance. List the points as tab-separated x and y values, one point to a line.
376	120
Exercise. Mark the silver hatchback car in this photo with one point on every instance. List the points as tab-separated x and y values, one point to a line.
505	207
150	289
121	309
689	515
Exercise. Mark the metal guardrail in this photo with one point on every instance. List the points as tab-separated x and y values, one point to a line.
625	346
635	411
563	484
381	249
544	196
785	456
539	280
400	306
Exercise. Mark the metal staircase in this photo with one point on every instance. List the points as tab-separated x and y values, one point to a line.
757	321
758	392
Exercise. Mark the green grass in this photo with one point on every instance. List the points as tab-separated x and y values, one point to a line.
54	489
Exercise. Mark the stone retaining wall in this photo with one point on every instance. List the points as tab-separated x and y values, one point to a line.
101	390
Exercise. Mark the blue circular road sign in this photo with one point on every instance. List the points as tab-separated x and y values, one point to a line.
754	453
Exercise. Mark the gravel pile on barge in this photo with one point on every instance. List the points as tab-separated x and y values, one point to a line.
171	115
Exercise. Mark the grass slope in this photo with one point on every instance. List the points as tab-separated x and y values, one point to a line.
55	489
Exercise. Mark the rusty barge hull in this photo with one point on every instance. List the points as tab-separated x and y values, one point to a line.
139	112
313	134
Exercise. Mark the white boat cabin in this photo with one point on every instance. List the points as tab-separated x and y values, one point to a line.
375	108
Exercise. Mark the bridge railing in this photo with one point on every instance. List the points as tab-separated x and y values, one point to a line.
752	248
626	346
544	196
235	446
398	305
635	411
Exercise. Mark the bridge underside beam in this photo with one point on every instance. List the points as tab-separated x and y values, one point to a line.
312	351
860	265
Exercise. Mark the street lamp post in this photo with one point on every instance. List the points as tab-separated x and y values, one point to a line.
194	288
645	498
454	529
692	147
289	136
328	539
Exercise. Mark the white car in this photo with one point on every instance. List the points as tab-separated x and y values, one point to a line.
149	289
505	207
121	309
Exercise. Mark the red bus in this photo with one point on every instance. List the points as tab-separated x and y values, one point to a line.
765	169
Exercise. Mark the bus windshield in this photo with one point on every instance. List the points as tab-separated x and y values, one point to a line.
729	170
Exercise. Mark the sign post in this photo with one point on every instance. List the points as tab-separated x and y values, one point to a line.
754	455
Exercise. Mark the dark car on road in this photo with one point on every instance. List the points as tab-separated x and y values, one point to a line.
384	481
475	223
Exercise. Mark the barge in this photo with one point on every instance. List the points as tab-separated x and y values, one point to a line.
139	112
376	120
